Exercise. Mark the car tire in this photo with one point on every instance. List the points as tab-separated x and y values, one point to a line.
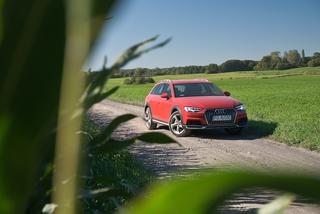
148	118
176	126
234	131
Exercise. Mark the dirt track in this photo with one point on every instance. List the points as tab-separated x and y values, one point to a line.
213	149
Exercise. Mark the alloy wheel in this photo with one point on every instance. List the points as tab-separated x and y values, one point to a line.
176	125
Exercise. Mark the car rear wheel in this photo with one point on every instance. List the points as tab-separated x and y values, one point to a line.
176	126
234	131
148	118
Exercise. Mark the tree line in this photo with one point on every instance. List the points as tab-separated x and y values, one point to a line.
274	61
289	59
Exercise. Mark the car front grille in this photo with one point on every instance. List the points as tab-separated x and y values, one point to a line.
210	113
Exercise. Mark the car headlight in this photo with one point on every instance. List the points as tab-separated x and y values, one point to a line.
191	109
240	107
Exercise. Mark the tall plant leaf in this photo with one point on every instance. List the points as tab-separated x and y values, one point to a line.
31	60
1	21
98	82
203	194
135	52
32	38
89	101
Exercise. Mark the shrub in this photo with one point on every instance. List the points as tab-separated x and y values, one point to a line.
127	81
283	66
149	80
314	62
138	80
233	65
250	64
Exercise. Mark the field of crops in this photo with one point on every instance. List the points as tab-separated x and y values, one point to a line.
283	105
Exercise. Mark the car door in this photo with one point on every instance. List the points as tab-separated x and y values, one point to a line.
154	101
165	104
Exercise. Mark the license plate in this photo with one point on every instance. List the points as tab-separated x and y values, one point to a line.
221	118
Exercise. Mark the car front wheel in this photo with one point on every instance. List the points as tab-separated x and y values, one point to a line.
176	126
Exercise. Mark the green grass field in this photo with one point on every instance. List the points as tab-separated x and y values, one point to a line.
285	105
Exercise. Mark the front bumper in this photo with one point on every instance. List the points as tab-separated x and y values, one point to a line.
199	121
215	127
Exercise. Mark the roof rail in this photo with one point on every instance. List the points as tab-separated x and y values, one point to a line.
165	80
202	80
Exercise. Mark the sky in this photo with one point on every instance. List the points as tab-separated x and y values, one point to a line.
208	31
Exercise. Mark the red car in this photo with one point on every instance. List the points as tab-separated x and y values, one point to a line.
184	105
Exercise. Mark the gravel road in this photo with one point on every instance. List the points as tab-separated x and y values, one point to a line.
213	149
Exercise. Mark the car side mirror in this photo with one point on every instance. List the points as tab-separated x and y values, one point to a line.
227	93
164	95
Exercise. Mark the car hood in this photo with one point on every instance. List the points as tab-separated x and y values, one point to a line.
209	102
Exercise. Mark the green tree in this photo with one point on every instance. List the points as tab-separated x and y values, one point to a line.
303	56
316	54
250	64
264	64
315	60
212	68
233	65
275	59
294	58
139	72
285	56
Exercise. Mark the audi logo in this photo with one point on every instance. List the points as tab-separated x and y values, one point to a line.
219	111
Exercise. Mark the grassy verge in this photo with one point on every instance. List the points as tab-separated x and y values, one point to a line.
281	104
119	171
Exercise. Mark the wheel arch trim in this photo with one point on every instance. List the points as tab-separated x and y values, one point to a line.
176	108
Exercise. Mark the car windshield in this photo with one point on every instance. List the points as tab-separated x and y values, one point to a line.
196	89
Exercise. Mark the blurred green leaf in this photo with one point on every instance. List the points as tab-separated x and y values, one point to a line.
99	79
4	126
1	22
98	97
30	89
277	206
32	53
99	15
31	61
203	194
135	52
94	93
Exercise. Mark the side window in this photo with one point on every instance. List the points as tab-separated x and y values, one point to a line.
158	89
154	90
166	89
161	88
179	90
